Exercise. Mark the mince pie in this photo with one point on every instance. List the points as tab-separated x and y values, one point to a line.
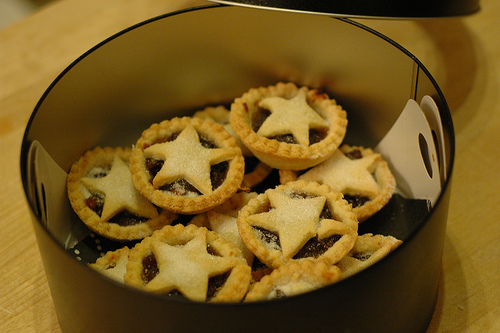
287	127
192	261
294	278
187	165
359	173
367	250
297	221
102	194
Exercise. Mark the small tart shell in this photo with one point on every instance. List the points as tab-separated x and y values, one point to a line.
187	204
381	173
294	278
343	224
367	250
238	281
282	155
102	158
113	264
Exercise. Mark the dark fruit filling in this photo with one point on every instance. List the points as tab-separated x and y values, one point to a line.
153	166
215	283
258	118
124	218
316	135
149	268
279	294
362	256
286	138
207	143
354	155
268	236
315	247
95	202
180	187
218	173
212	251
356	200
325	213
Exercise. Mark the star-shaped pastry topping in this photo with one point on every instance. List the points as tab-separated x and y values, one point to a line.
120	192
295	220
290	116
227	228
187	268
118	271
345	175
186	158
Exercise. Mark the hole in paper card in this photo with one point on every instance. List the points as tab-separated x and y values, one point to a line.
424	150
436	144
43	212
38	206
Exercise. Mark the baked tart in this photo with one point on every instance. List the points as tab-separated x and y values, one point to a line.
367	250
191	261
101	192
255	170
297	221
187	165
359	173
287	127
113	264
292	279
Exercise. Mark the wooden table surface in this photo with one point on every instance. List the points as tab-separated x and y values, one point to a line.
463	54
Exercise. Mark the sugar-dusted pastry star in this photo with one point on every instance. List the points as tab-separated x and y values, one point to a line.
186	158
120	192
187	268
287	116
295	220
345	175
113	264
225	225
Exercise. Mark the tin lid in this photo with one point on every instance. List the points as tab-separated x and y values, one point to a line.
367	8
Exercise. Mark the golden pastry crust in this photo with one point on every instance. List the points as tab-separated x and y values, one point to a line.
297	221
367	250
222	220
113	264
186	259
294	114
186	151
357	172
102	194
294	278
253	177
